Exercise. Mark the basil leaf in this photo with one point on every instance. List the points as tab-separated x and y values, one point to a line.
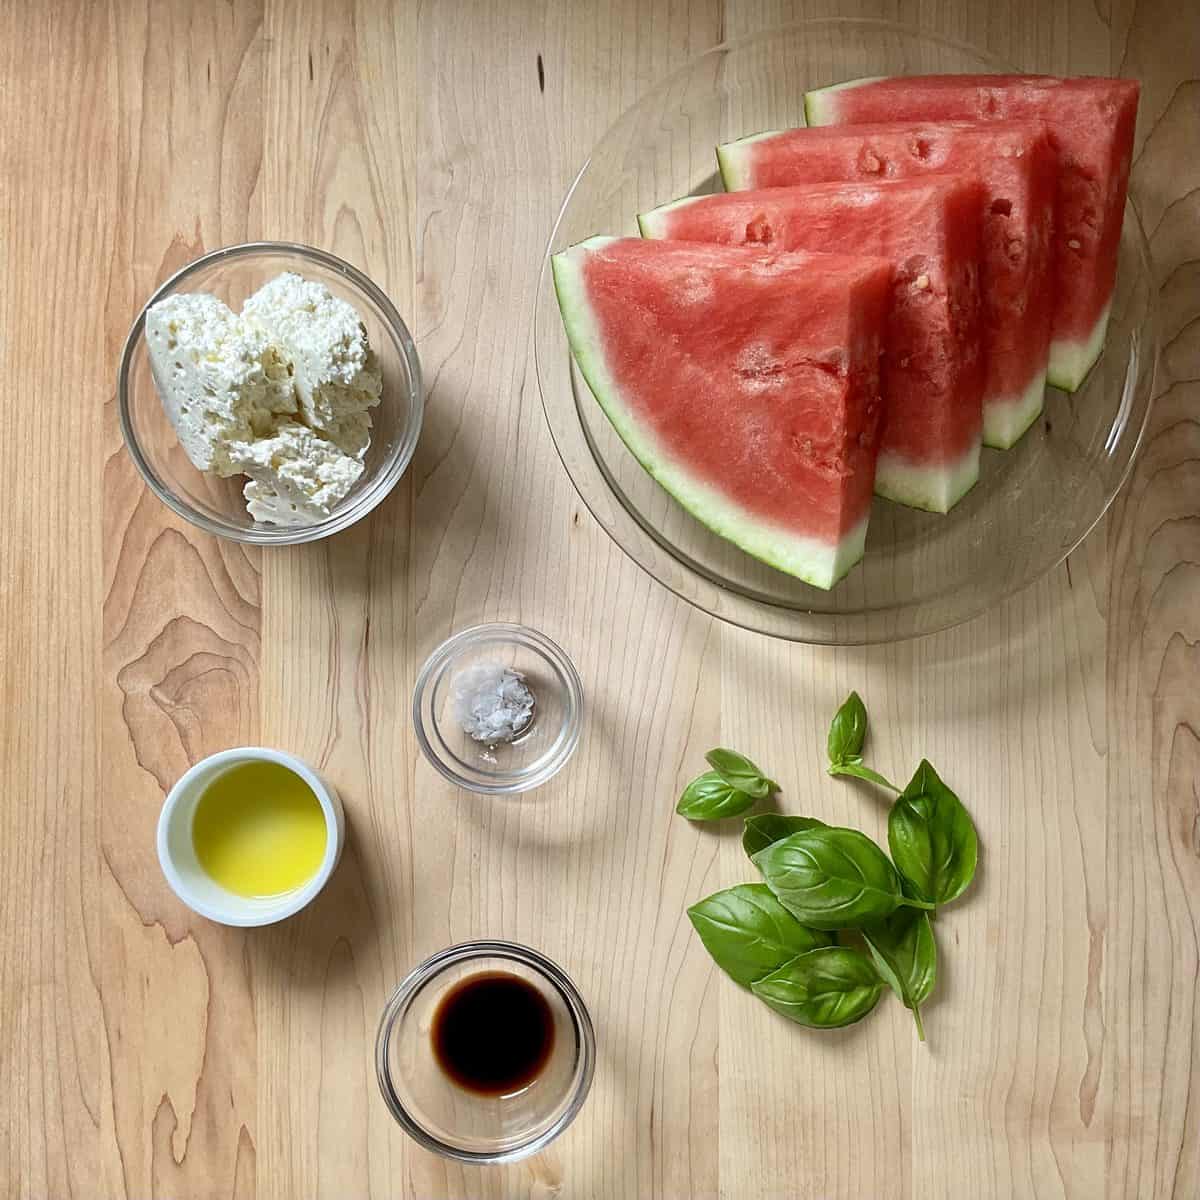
832	878
765	828
905	955
824	989
739	772
932	838
854	767
710	798
848	731
749	933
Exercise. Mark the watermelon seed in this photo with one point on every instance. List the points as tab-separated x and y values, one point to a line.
1002	208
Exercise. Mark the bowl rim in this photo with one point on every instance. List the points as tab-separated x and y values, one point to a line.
866	626
345	515
241	913
568	739
429	969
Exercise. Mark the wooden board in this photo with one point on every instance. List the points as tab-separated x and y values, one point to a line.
147	1052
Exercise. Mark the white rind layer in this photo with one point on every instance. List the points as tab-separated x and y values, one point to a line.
816	104
933	488
1070	362
817	562
734	163
652	224
1005	419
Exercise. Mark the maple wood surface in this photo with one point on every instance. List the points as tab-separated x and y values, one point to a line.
149	1053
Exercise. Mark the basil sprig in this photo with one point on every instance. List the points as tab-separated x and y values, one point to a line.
749	933
709	798
739	772
764	828
825	885
932	838
824	989
731	787
905	955
848	731
832	878
847	735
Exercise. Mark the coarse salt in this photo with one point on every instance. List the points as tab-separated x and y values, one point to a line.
491	703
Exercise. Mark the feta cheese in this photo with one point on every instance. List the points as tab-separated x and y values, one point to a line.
337	375
297	476
352	434
222	384
281	393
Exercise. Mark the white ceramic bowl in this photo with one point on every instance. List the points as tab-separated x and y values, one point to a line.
195	887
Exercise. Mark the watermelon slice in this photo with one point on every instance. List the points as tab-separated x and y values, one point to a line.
932	369
1091	123
1016	164
746	383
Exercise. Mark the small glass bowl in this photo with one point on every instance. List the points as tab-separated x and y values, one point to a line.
540	750
217	505
448	1119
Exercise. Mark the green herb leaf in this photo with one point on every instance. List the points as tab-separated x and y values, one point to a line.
854	767
739	772
932	838
905	955
709	798
764	828
749	933
832	878
824	989
848	731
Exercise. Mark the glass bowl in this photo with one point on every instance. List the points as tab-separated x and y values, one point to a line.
540	750
922	572
445	1117
217	505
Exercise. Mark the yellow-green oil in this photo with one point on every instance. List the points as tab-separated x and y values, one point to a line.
258	830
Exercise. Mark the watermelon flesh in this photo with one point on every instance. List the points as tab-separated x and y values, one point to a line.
745	382
1091	125
1016	165
932	370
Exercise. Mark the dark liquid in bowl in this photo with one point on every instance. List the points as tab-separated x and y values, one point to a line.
493	1033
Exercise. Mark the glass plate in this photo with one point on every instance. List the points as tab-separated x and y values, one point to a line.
922	572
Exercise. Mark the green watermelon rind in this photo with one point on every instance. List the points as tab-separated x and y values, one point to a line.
1005	421
816	102
650	223
1070	362
732	160
934	487
810	559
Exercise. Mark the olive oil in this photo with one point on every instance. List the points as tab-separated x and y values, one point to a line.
259	830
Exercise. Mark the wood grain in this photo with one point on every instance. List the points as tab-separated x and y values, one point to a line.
149	1053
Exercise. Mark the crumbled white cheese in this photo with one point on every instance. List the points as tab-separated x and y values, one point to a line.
351	434
281	393
222	384
491	703
337	374
297	476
